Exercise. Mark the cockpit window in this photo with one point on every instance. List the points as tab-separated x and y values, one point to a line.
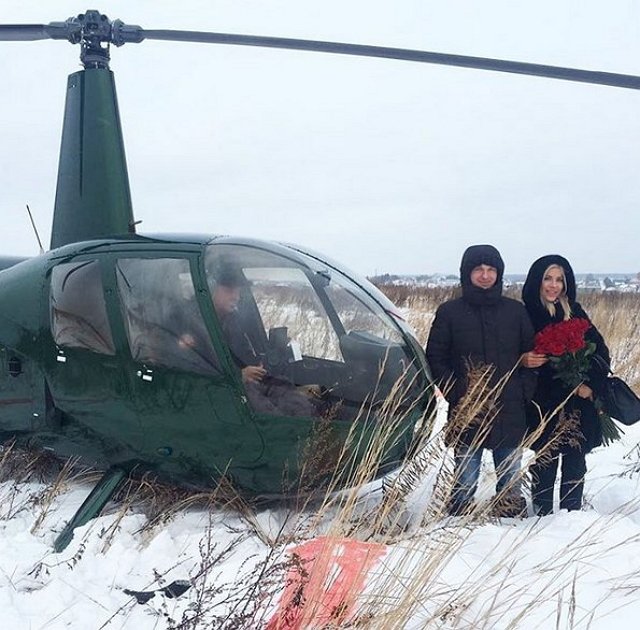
162	318
324	346
358	312
78	312
279	304
287	300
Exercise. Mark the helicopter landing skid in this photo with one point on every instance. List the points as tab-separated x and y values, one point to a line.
92	505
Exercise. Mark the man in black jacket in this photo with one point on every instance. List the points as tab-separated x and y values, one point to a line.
226	297
475	348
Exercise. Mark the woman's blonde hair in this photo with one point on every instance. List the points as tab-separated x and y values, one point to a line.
562	298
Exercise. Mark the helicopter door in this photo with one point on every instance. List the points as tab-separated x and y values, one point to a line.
192	414
20	384
87	388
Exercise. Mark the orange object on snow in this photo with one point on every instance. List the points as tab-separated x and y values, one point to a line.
324	582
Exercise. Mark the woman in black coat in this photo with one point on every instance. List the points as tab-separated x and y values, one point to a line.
572	425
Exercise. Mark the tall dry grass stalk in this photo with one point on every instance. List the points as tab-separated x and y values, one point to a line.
387	519
413	585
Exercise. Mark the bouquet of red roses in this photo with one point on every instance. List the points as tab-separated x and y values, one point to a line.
567	350
569	353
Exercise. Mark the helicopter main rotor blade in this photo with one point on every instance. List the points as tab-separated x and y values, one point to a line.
23	32
463	61
118	33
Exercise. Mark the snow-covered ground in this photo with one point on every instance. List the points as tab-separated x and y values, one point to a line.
567	570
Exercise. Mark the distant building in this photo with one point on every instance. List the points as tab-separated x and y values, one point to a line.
584	282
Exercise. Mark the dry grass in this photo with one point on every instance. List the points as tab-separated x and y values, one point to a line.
419	305
421	544
615	315
31	480
413	585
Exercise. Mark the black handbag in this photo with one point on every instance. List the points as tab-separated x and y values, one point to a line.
620	401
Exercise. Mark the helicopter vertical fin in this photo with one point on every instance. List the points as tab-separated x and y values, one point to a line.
92	505
93	199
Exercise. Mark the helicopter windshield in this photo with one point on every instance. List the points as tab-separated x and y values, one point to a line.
309	328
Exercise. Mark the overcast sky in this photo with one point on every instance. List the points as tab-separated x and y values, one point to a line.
387	166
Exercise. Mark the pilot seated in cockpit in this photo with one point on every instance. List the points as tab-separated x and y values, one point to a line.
226	297
267	394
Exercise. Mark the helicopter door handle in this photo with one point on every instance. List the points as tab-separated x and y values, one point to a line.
145	374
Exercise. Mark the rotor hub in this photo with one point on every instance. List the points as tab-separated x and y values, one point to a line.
92	30
95	32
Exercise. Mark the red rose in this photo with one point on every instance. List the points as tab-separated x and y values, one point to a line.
557	349
573	345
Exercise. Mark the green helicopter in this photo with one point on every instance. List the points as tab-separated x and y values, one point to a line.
197	357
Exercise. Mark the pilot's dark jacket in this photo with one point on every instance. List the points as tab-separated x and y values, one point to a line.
481	328
240	346
274	396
